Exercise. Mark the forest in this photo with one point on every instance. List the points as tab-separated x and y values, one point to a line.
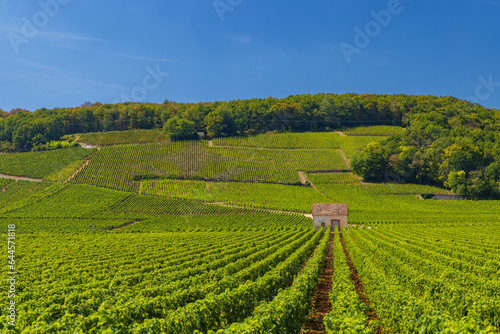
455	146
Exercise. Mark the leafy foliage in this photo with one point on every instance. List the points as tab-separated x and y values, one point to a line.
371	163
180	129
298	113
455	146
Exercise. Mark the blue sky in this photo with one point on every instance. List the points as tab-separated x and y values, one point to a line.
62	53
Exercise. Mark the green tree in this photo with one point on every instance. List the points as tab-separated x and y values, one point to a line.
457	181
180	129
220	123
372	162
460	157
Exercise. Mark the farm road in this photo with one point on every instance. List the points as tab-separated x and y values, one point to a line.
20	178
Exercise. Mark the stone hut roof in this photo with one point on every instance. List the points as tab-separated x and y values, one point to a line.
330	209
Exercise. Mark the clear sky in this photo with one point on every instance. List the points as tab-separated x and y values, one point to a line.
62	53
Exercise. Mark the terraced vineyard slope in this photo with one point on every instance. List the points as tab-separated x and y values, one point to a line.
119	167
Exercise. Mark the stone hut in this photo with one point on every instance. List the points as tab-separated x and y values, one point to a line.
325	215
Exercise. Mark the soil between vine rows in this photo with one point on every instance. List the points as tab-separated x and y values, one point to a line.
321	304
359	287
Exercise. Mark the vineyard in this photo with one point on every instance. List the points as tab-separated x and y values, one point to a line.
314	140
376	130
138	282
371	203
45	164
212	237
123	137
438	274
120	167
241	222
256	195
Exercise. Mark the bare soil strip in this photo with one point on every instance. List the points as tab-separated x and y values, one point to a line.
302	177
321	305
85	145
77	171
347	161
20	178
208	189
126	225
140	187
359	287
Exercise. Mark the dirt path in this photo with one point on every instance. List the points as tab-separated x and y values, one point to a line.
302	177
85	145
321	304
126	225
359	287
314	187
140	187
20	178
86	162
210	143
347	161
208	189
342	134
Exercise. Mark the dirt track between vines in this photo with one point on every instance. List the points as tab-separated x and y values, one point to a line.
19	178
321	304
359	287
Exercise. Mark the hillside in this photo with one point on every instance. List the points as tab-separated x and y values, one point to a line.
215	235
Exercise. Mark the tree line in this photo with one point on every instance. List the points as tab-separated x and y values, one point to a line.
19	128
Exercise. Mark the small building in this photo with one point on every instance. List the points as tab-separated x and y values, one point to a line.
201	133
325	215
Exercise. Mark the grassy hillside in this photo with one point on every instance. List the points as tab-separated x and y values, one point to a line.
308	140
